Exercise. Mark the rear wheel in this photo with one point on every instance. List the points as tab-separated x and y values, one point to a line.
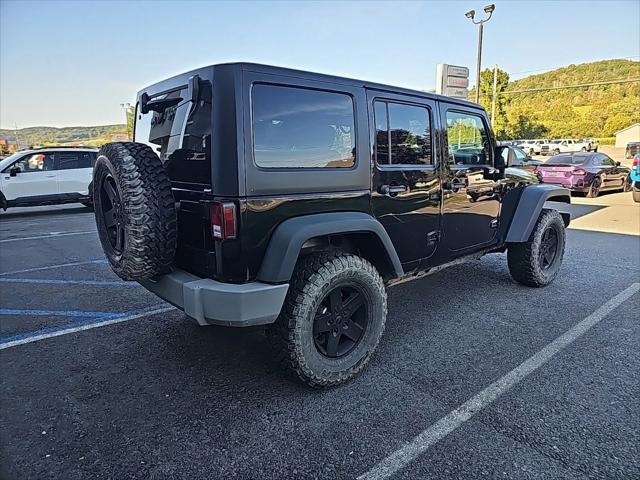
636	193
594	188
536	263
332	319
627	186
556	151
584	149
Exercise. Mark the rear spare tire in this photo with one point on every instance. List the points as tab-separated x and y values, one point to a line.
135	211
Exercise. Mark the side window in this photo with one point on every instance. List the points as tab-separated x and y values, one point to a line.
521	157
302	128
68	160
403	134
36	162
605	160
468	141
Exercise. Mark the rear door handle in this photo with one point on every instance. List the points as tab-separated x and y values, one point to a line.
50	175
392	189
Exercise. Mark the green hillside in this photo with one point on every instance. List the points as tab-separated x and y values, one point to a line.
44	136
597	111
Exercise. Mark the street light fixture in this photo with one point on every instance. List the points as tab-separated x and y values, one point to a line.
471	15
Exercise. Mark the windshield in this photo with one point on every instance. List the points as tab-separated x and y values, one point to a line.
11	158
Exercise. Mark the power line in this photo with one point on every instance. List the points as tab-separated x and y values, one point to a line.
579	85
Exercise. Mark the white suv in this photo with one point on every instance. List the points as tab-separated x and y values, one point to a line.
46	176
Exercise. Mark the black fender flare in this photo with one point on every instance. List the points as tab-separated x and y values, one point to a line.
289	237
529	207
3	201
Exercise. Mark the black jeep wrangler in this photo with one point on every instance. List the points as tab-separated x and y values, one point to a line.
257	195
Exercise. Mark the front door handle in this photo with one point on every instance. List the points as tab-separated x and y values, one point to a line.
392	189
50	175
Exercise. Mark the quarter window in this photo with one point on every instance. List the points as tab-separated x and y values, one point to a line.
468	141
302	128
403	134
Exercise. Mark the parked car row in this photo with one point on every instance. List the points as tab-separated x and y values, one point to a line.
543	146
48	176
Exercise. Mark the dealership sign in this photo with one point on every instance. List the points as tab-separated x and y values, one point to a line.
452	80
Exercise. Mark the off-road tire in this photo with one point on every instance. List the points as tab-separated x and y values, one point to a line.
292	334
523	258
147	210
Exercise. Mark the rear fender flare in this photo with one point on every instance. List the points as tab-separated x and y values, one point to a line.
289	237
529	207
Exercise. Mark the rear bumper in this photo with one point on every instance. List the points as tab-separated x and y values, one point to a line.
209	302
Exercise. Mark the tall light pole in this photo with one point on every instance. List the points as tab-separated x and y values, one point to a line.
471	15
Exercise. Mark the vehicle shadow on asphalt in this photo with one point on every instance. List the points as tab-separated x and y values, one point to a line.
9	215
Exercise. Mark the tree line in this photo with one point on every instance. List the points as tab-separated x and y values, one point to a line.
596	111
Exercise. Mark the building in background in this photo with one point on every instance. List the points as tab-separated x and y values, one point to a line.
626	135
8	147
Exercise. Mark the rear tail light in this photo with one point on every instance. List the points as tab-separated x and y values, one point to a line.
578	171
223	220
636	161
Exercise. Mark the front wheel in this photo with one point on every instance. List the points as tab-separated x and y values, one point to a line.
332	319
536	262
636	194
627	185
556	151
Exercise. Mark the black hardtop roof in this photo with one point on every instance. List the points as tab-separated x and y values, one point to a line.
270	69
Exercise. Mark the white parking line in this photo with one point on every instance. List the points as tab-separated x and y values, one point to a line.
67	331
59	265
48	235
436	432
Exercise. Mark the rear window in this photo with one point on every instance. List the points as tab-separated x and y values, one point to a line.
180	133
72	160
302	128
566	160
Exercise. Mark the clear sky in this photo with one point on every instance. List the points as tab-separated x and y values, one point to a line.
73	63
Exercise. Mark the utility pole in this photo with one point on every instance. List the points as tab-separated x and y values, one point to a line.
493	97
471	15
15	134
479	62
125	107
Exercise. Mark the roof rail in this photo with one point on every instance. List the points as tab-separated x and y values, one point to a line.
65	146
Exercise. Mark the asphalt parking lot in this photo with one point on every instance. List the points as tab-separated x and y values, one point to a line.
100	379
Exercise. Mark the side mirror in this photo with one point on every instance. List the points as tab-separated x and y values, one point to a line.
14	171
617	164
504	157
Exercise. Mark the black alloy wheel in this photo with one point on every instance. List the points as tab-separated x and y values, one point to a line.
594	189
548	248
112	212
340	321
